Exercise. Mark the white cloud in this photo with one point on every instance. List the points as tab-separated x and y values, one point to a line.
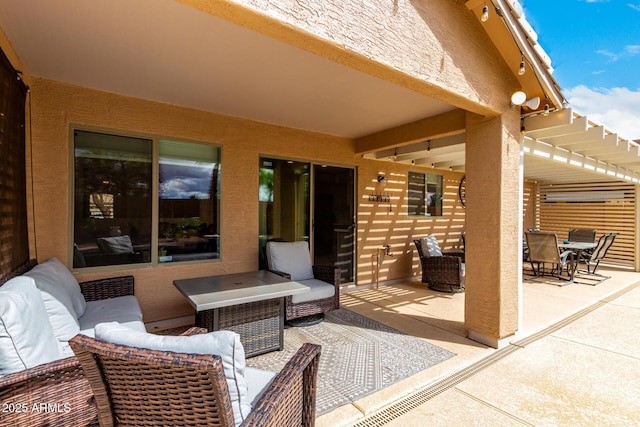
634	6
617	109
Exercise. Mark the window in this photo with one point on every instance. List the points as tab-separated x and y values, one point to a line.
114	214
424	194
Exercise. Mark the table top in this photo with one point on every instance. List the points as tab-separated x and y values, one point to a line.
576	245
206	293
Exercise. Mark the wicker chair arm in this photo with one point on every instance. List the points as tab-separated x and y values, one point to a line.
111	287
455	254
281	273
448	262
327	273
195	330
280	399
61	383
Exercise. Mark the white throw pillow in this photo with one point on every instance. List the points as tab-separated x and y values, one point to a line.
225	344
26	336
70	283
57	300
430	246
116	245
290	257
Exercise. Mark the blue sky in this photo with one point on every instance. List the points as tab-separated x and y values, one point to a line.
594	47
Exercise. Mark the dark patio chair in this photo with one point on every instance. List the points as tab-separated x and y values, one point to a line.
136	386
543	249
600	251
441	271
581	235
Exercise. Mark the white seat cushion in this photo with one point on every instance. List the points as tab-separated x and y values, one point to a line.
124	310
225	344
290	257
26	336
257	381
317	290
430	246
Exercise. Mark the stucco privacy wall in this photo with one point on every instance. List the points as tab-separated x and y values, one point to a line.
438	47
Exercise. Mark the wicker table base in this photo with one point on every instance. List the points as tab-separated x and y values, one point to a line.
260	324
250	304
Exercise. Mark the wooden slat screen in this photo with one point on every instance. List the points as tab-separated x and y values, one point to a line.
14	241
604	206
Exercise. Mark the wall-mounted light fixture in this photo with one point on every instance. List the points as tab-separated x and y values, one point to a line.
519	98
382	180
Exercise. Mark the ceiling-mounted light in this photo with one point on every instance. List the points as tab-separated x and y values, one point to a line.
395	154
522	70
485	12
520	98
428	146
546	109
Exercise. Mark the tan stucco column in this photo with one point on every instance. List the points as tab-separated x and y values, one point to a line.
492	224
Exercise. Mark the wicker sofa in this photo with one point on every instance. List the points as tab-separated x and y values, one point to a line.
56	393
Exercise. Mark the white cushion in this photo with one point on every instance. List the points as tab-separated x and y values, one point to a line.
225	344
124	310
70	284
430	246
317	290
290	257
57	301
26	336
257	381
115	245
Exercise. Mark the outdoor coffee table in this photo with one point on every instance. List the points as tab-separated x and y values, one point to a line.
251	304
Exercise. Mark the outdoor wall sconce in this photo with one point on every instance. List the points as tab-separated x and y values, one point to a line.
380	197
519	98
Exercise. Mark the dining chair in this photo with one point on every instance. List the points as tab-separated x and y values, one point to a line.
600	251
543	249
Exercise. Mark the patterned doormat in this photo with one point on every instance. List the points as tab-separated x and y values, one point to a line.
359	356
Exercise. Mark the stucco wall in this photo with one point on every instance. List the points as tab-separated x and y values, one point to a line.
58	106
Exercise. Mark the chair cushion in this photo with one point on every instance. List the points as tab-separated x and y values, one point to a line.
115	245
124	310
290	257
430	246
54	289
225	344
257	381
317	290
26	336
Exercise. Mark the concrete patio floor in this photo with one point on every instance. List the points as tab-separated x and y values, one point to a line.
576	360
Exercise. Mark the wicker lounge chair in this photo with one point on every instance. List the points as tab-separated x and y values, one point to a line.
136	386
444	272
292	260
60	382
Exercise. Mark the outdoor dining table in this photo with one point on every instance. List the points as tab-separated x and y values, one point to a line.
577	248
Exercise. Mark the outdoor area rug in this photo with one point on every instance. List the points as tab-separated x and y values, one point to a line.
359	356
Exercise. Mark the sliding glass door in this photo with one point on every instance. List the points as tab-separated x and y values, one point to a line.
313	203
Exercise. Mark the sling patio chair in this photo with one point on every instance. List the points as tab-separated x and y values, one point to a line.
199	379
583	235
600	251
441	271
543	249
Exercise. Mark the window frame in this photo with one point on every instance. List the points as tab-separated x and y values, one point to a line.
155	198
424	202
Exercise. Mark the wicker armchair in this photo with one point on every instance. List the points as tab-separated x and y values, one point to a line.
135	386
61	383
306	274
445	273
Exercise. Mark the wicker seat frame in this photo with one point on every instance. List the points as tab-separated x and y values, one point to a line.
135	387
442	273
325	273
61	383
